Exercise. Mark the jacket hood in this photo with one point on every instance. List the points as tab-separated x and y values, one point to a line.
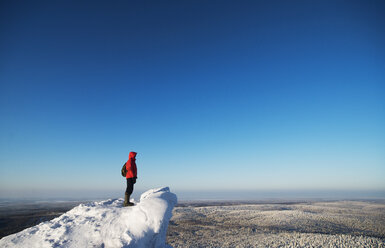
132	155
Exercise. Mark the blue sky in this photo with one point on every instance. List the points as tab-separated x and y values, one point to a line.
213	95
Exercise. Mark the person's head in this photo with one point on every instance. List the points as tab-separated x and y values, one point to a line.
132	155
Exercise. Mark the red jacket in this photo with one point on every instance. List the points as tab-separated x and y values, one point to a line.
131	165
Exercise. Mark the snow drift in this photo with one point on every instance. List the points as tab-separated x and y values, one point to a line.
104	224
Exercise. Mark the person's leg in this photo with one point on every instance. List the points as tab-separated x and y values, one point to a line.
129	189
130	186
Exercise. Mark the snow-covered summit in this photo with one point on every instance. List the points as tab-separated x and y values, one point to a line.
104	224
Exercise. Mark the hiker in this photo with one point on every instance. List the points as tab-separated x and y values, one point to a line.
130	177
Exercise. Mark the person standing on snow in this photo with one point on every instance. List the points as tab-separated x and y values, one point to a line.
130	177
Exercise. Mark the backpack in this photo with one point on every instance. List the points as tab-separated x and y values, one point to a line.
124	170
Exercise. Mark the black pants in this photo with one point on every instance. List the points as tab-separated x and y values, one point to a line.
130	186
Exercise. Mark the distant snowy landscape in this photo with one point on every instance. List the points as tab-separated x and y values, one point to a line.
285	224
156	221
104	224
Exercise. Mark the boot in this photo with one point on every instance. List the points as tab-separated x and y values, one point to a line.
127	201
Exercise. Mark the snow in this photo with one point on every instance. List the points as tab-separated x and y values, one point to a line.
104	224
285	224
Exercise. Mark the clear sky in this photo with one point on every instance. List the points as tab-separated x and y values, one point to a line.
212	95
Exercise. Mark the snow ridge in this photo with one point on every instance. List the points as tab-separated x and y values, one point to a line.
104	224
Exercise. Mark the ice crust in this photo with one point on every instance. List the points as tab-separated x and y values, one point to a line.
104	224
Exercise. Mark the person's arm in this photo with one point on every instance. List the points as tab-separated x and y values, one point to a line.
135	172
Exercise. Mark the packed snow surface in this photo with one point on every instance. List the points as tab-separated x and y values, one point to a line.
104	224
